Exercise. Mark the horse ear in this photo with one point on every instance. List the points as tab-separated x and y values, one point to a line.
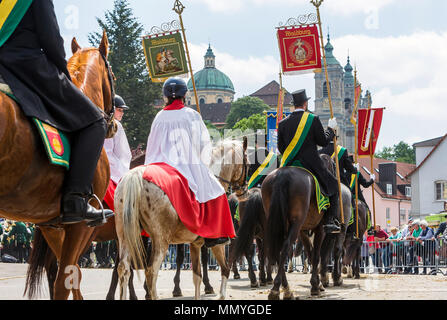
245	143
104	46
75	47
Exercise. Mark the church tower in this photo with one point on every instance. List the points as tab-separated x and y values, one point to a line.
341	81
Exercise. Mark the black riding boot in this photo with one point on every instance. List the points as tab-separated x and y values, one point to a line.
331	224
87	145
209	243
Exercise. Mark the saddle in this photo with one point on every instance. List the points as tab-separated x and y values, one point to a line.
56	143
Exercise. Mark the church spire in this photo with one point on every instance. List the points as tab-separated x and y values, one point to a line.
210	58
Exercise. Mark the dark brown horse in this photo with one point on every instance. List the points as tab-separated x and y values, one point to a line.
252	227
288	196
353	244
30	188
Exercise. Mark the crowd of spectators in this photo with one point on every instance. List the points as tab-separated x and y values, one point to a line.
405	250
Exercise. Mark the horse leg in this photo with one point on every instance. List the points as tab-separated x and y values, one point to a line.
158	253
262	276
326	249
77	292
251	274
219	254
338	250
357	259
114	281
315	259
177	292
206	280
196	272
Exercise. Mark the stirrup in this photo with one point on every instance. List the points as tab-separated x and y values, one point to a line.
104	220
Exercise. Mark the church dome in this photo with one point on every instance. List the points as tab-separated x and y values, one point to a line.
211	78
329	48
349	77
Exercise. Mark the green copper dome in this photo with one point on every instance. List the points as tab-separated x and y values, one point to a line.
349	77
210	78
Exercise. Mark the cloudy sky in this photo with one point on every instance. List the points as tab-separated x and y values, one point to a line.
398	46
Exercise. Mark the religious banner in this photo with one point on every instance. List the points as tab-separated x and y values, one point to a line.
165	56
370	121
357	96
300	49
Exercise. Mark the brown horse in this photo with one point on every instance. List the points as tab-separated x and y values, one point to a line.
252	227
30	188
141	203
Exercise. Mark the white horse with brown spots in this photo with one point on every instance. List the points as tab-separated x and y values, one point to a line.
142	204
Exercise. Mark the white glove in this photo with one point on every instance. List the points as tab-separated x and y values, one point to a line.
373	177
332	123
357	166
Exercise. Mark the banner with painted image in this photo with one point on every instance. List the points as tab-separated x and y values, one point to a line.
370	121
300	49
165	56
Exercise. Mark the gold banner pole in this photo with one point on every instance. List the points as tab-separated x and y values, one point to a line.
178	8
372	164
317	4
356	152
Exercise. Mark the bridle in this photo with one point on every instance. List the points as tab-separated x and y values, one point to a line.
109	116
241	183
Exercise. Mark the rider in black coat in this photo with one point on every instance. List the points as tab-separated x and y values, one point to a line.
308	154
32	62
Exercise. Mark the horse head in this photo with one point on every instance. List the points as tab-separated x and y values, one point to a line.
329	163
230	164
91	73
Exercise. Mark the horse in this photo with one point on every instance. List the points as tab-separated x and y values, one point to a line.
141	203
353	245
289	200
252	227
333	243
42	259
30	187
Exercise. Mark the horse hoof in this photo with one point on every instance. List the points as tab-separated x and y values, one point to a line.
290	271
273	295
133	298
177	294
325	284
254	284
322	288
344	270
315	292
269	282
236	276
209	290
357	276
338	283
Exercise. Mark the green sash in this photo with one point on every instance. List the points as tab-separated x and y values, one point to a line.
236	214
299	138
340	151
262	170
354	178
11	13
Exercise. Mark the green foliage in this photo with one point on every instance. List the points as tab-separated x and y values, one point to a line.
254	122
401	152
128	63
244	108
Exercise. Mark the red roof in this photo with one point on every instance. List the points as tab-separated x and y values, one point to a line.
402	169
428	156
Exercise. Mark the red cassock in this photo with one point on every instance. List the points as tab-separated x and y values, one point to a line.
211	219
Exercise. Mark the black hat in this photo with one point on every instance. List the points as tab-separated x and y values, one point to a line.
119	103
299	97
175	88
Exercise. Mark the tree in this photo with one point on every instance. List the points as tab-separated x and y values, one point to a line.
254	122
244	108
401	152
128	63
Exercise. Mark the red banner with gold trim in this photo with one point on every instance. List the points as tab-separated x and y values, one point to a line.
370	121
300	49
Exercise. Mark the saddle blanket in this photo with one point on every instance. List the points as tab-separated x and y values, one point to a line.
56	143
211	219
322	201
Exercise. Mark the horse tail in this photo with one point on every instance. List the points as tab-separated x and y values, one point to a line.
40	255
276	229
132	185
250	219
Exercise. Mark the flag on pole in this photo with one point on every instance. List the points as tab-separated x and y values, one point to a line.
280	109
300	49
357	94
370	121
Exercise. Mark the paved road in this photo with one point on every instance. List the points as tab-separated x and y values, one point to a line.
95	284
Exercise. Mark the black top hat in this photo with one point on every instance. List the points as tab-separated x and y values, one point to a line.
299	97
